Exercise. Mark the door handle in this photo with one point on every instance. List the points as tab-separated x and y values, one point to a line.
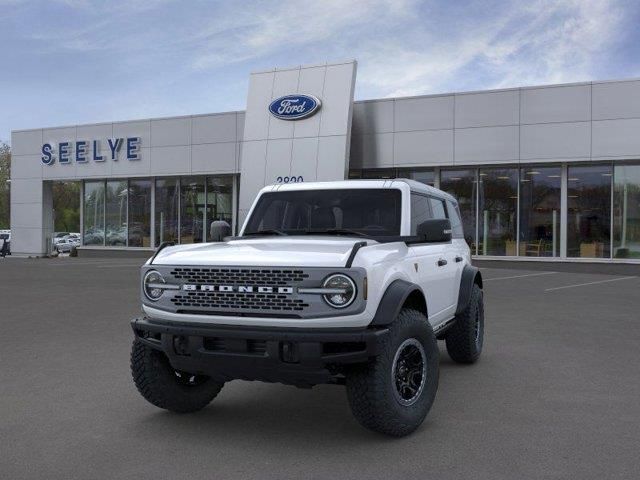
458	259
442	262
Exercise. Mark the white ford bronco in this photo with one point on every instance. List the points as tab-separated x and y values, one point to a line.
348	283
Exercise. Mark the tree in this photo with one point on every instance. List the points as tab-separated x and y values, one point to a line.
66	206
5	175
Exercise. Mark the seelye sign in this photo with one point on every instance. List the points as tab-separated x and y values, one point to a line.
82	151
294	107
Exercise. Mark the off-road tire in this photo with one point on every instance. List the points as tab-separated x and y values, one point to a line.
370	387
158	382
464	342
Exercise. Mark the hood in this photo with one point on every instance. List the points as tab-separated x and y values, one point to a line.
308	251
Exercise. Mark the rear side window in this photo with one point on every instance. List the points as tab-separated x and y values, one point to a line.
456	223
437	207
420	211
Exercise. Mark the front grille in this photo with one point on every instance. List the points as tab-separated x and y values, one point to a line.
238	301
239	276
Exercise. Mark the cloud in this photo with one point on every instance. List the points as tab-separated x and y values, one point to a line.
240	36
546	42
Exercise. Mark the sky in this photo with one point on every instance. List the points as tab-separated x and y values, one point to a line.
65	62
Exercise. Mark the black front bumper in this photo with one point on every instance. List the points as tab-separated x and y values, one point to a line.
301	357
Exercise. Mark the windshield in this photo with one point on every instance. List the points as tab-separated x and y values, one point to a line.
360	212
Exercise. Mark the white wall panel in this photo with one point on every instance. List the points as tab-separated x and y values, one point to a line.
486	145
616	138
26	215
430	147
338	99
256	123
26	166
278	162
555	141
170	132
487	109
239	126
331	165
214	128
613	100
424	113
372	117
310	82
213	158
26	142
253	177
372	151
26	241
26	190
556	104
304	159
170	160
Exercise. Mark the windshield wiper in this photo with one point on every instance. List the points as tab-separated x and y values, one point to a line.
271	231
336	231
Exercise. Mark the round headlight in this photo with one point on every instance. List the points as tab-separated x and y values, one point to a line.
343	290
151	285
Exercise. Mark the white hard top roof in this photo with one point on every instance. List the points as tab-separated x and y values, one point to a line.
414	186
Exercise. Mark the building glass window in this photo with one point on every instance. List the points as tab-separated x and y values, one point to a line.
589	211
540	193
219	200
462	185
140	213
166	210
373	174
428	177
116	213
192	209
498	212
93	212
626	211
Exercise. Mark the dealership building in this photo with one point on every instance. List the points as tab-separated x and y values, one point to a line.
541	173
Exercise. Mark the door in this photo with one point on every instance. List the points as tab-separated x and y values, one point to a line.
449	260
434	263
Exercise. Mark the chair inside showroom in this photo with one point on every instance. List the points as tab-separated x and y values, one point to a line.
534	249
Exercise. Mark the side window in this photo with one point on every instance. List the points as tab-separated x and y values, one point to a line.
420	211
456	222
437	206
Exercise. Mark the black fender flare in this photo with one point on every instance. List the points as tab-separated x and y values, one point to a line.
470	276
392	301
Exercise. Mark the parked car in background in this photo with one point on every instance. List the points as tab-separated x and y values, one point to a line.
66	244
5	242
58	236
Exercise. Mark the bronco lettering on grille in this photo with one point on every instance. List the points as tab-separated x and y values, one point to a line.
237	288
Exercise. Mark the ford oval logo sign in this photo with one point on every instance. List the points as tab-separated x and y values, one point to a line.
294	107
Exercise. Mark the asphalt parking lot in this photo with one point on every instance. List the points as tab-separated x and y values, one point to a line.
555	395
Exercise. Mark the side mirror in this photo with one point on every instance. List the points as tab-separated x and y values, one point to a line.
435	230
218	230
